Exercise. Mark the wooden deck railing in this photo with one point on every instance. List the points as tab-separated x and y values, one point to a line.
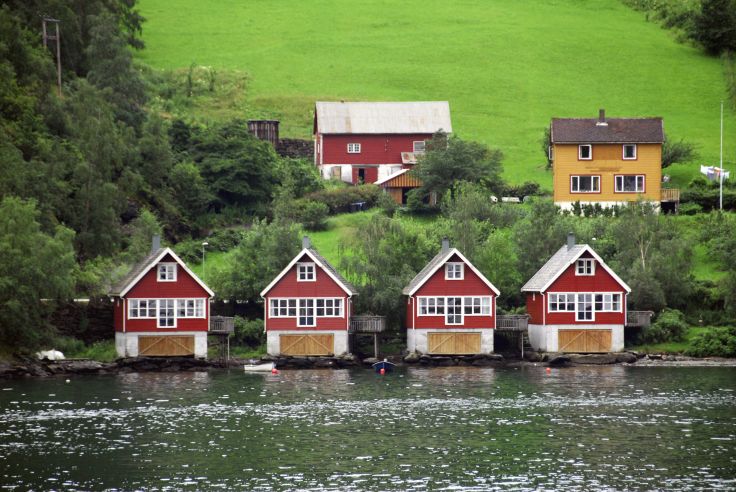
639	319
367	324
222	324
670	195
512	322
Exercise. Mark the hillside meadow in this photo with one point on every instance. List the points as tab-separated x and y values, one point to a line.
506	67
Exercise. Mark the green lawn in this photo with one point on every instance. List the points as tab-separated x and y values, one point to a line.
506	67
672	347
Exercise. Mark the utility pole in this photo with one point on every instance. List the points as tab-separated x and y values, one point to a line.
48	36
721	160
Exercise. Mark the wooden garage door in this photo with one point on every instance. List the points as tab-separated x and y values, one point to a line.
453	343
307	344
165	346
584	340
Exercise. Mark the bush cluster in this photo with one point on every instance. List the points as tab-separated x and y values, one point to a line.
311	214
339	200
669	327
719	342
220	240
249	332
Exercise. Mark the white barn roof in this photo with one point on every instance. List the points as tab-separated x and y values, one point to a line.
382	117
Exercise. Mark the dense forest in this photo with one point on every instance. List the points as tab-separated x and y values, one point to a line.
90	173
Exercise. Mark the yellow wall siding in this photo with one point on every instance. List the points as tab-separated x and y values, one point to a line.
607	162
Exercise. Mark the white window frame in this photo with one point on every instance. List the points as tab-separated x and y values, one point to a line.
454	270
477	305
332	307
454	310
306	310
282	307
623	152
431	306
580	152
353	148
437	306
585	267
575	180
583	299
135	305
619	181
169	272
192	308
610	302
419	146
166	306
307	270
555	300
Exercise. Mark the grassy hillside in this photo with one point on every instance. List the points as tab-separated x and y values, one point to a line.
506	67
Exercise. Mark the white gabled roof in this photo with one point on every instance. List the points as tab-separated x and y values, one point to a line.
435	264
560	262
323	263
389	178
382	117
145	265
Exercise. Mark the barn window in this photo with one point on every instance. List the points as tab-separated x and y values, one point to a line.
561	302
305	272
630	184
608	302
306	312
167	272
585	184
454	271
282	308
329	308
585	152
419	146
353	148
629	152
142	308
454	314
166	313
584	311
585	266
190	308
476	306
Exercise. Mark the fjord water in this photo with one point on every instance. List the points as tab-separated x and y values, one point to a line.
584	428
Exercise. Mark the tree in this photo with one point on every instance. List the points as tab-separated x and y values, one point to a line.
546	143
714	26
497	259
539	236
190	191
449	160
673	152
34	267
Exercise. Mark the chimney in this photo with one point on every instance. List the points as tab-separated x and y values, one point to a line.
570	240
445	245
155	243
601	118
306	243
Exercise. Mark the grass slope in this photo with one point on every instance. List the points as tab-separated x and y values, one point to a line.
506	67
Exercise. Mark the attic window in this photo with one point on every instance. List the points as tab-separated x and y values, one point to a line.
454	271
585	152
353	148
585	266
166	272
630	152
305	272
419	146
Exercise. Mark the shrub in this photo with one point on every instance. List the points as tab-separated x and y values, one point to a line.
311	214
340	199
387	204
719	342
690	209
249	332
669	327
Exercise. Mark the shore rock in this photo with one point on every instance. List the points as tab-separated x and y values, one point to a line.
627	357
558	360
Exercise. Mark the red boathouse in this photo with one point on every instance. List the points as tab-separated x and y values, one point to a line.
364	142
161	308
308	307
451	307
576	303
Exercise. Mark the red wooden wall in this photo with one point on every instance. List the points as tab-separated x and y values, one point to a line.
375	149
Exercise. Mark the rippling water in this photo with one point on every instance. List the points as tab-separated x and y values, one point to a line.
602	428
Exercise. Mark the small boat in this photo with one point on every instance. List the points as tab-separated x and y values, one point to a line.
385	365
265	367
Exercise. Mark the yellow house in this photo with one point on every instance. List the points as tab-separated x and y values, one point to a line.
610	161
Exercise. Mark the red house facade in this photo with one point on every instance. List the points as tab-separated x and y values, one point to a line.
576	303
307	308
161	308
451	307
364	142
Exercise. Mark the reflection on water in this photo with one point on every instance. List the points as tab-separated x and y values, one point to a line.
584	428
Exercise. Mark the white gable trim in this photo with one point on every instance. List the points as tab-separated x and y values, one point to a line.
574	259
389	178
303	252
441	264
155	261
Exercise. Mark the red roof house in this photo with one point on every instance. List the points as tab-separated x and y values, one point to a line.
451	307
161	308
308	307
364	142
576	303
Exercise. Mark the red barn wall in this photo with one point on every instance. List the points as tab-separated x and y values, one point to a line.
535	308
375	149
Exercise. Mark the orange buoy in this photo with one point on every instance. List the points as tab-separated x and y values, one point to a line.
383	371
274	371
548	370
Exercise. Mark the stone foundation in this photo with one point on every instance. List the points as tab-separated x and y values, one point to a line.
126	344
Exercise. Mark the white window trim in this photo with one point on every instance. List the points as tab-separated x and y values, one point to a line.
424	300
340	310
556	294
423	145
313	309
623	152
592	306
287	307
580	152
591	261
196	301
313	299
167	265
147	301
619	189
354	148
453	264
455	314
306	264
158	315
620	302
572	176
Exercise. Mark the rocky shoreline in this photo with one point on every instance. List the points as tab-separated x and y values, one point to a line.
29	367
